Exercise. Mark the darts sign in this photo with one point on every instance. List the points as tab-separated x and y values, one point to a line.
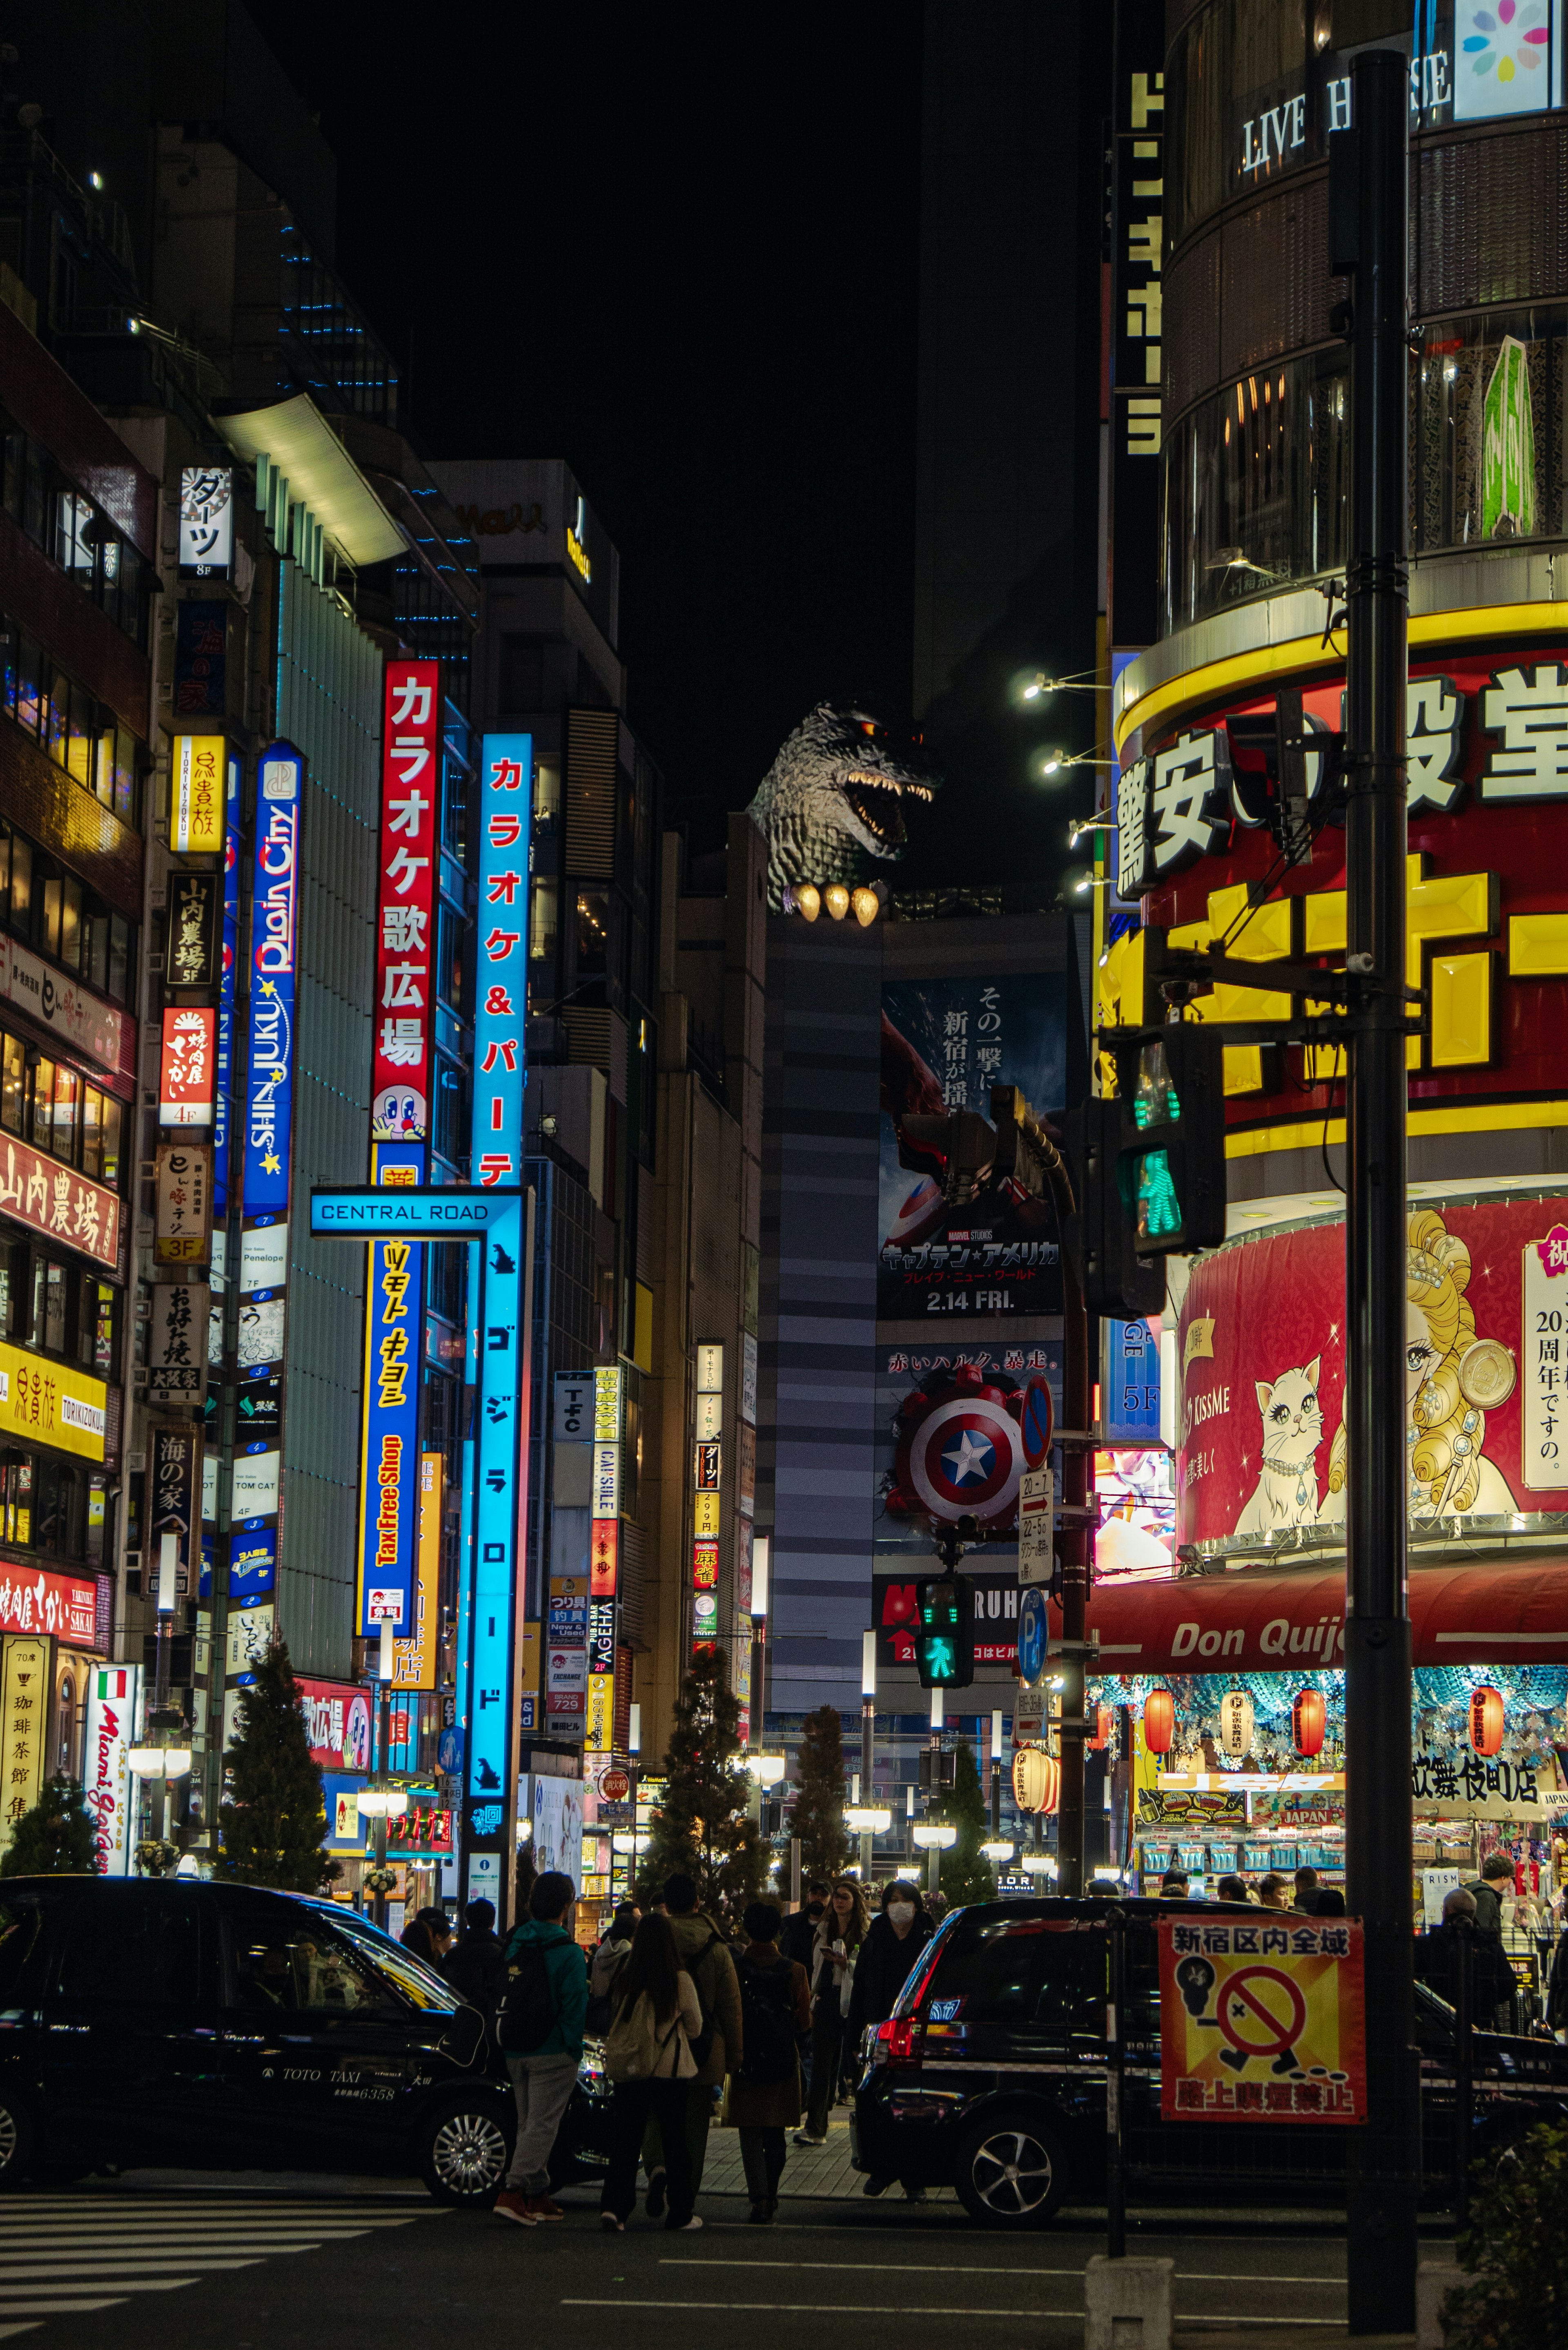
1262	2022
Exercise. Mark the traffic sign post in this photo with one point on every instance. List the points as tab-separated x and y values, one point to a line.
501	1221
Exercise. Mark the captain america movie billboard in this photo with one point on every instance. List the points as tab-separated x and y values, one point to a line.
949	1442
945	1044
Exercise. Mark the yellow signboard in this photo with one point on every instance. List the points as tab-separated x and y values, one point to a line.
23	1730
414	1660
1263	2021
705	1514
51	1404
196	795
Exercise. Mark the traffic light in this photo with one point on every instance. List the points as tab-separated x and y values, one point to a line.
1115	1280
1170	1161
957	1148
944	1642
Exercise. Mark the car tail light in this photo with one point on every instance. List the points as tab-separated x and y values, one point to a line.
897	2041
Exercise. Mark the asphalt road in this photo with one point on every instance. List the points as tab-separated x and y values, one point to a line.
244	2263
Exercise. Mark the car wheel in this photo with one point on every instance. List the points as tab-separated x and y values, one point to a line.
16	2140
1011	2172
463	2152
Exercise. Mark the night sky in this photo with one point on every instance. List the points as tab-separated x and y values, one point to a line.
679	250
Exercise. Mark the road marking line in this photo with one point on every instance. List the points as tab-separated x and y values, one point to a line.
925	2268
19	2272
930	2309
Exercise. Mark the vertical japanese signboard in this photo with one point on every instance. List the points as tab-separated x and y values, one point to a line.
505	802
185	1073
603	1560
389	1498
107	1789
223	1111
269	1077
410	799
494	1596
706	1476
414	1658
24	1728
1137	258
196	797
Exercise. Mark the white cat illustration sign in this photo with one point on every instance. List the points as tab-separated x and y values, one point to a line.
1261	1451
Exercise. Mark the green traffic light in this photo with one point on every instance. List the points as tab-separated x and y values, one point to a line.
1158	1209
940	1659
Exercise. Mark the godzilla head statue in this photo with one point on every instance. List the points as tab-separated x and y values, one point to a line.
833	797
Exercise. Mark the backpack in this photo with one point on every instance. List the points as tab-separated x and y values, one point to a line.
602	2004
635	2048
702	2046
528	2011
767	2013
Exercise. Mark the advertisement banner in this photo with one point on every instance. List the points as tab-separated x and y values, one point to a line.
108	1788
506	804
186	1067
337	1722
89	1025
949	1442
1262	2022
62	1205
182	1222
945	1044
173	1497
414	1659
195	929
177	1342
269	1071
51	1404
222	1117
389	1476
196	794
1261	1439
23	1730
207	520
32	1600
405	900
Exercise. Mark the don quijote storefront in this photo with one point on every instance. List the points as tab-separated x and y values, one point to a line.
1244	1648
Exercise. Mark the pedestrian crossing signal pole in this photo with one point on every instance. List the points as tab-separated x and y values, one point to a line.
1368	200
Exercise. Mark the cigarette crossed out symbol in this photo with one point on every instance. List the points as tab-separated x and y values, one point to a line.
1261	2013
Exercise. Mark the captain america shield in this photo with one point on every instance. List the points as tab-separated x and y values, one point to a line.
965	1459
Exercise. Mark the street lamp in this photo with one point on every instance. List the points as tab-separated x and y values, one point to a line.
148	1761
935	1837
995	1774
384	1803
1038	1863
767	1770
761	1549
867	1741
996	1848
867	1820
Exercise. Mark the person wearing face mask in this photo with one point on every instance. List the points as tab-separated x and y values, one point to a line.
892	1952
800	1931
840	1931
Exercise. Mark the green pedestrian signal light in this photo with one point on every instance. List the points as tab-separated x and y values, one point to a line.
1171	1166
944	1640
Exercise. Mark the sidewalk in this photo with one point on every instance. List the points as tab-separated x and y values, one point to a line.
812	2173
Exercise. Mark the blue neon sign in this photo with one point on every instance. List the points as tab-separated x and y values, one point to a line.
498	1511
269	1074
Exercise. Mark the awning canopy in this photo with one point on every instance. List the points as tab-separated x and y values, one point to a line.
321	475
1509	1613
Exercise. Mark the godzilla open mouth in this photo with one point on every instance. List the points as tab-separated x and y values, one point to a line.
874	800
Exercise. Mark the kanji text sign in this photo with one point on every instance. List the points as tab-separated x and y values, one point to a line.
1262	2021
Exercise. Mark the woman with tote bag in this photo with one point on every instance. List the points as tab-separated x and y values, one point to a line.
648	2059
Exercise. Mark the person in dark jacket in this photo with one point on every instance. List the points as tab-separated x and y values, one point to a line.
475	1966
891	1953
836	1947
429	1935
543	2076
1438	1957
1487	1891
800	1928
763	2110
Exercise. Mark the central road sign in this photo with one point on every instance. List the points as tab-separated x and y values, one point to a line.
452	1213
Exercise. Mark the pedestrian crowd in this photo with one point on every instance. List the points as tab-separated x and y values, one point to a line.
759	2033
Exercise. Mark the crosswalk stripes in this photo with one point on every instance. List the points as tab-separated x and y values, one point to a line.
70	2255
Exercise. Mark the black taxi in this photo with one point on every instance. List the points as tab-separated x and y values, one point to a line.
222	2026
989	2075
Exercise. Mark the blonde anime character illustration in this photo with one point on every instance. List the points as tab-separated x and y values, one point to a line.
1452	1378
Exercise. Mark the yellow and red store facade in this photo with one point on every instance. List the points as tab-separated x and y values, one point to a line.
1254	1620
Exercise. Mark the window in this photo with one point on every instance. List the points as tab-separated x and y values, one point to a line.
56	1308
450	1122
546	793
21	884
1031	1972
65	1754
41	1126
17	1498
119	955
418	1983
13	1082
19	1924
137	1945
96	1520
593	934
31	694
544	914
282	1959
68	1102
450	928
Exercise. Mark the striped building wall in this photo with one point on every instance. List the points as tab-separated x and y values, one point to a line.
329	706
816	1405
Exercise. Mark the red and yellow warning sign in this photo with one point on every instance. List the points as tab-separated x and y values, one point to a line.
1262	2022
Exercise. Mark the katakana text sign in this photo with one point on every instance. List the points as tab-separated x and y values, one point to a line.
505	802
405	896
1262	2021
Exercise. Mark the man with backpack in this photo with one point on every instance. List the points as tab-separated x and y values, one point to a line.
764	2084
540	2029
720	2045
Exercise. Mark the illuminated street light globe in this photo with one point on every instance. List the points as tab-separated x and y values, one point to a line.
938	1835
867	1819
767	1770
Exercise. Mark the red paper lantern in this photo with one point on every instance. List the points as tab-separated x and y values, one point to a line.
1158	1721
1308	1717
1036	1779
1486	1720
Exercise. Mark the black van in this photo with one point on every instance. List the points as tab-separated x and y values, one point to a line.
222	2026
990	2077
